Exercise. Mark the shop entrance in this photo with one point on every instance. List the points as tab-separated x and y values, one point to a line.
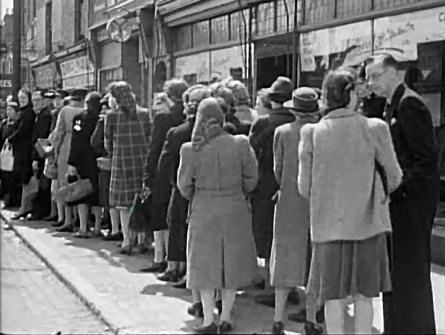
268	69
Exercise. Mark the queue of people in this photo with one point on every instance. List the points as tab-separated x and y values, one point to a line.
334	188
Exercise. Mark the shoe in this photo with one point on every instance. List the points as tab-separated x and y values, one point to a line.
126	251
19	216
210	329
57	224
225	327
50	218
81	234
312	329
65	229
302	318
155	268
196	310
278	328
218	305
182	284
266	299
169	276
141	249
113	237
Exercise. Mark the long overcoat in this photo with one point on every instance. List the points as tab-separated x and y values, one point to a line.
261	139
409	308
127	139
216	179
292	219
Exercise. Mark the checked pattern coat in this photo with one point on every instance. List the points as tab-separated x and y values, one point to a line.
127	140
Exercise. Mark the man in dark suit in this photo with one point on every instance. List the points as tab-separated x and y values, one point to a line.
409	308
156	179
261	139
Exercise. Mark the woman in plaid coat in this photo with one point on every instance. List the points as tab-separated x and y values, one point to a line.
127	134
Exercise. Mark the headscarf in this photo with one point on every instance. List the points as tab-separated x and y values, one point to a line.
209	123
121	91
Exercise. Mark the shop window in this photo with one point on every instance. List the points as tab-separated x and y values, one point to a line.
200	35
220	29
346	8
285	15
383	4
183	38
265	18
319	11
48	27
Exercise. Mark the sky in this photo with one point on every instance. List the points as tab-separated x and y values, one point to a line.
5	4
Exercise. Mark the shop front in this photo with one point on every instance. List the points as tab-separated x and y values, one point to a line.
77	72
46	76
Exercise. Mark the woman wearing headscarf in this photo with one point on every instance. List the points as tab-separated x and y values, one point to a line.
349	211
61	140
216	172
82	162
127	138
21	140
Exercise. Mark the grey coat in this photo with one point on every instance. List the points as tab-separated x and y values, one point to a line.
220	246
291	221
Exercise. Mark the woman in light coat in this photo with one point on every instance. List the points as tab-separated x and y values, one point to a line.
291	221
216	172
338	159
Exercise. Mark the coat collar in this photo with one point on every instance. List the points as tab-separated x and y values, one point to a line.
339	113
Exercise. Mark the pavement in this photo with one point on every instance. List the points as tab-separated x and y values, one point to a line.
34	301
131	302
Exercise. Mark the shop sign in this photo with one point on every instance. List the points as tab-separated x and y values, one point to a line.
5	83
225	59
45	75
333	40
78	72
194	67
405	31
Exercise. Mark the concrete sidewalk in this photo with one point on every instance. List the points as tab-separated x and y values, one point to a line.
132	302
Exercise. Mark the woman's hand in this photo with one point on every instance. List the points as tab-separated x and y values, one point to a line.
72	171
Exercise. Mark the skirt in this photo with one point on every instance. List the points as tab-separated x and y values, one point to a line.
104	188
340	269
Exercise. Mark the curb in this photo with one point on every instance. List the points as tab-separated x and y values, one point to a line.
89	304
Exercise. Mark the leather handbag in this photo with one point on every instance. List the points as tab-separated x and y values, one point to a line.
44	148
75	191
6	157
50	168
104	163
140	213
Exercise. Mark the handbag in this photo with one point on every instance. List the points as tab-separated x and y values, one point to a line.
44	147
140	213
104	163
50	168
31	189
75	191
6	157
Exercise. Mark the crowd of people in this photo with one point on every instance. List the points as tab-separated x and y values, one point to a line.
335	188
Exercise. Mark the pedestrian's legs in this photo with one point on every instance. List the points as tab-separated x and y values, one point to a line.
68	217
125	221
160	243
115	220
82	210
280	302
228	300
60	210
97	212
207	304
335	316
364	312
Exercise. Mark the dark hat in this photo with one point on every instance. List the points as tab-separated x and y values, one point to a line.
281	90
61	93
304	99
78	94
51	94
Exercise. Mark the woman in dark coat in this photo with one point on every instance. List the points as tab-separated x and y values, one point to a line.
82	162
21	140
